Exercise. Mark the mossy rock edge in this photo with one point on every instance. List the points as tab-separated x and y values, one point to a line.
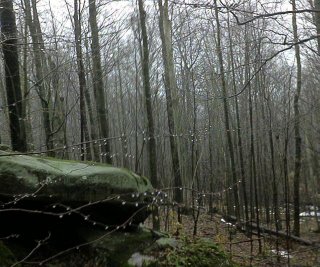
6	256
66	179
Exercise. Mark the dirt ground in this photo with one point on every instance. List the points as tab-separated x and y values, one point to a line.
245	250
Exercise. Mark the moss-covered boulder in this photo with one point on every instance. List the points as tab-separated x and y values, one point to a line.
40	194
71	180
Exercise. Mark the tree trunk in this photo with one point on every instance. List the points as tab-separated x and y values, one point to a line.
122	118
25	89
253	169
98	84
239	132
40	83
170	88
273	169
226	114
84	133
12	73
297	163
148	101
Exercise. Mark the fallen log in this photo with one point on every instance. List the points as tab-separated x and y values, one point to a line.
264	230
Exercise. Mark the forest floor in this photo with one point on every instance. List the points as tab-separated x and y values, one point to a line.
245	251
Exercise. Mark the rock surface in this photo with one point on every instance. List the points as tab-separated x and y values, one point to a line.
70	180
40	195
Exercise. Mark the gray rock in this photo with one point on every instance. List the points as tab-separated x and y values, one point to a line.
164	243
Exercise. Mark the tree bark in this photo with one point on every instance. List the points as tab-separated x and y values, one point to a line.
226	114
170	87
39	66
297	163
84	132
148	101
98	84
12	73
239	132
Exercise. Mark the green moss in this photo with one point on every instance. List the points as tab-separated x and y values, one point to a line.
201	252
67	178
6	256
166	242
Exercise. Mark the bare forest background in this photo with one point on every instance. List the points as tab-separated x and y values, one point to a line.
221	97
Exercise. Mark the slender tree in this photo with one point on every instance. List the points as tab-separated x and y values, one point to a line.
253	168
297	162
87	122
40	68
84	132
226	113
148	102
239	130
170	88
98	83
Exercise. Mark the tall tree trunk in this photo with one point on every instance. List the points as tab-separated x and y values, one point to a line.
226	114
25	89
239	132
253	169
84	132
58	111
148	101
40	67
12	73
273	169
93	125
122	117
297	163
98	84
170	88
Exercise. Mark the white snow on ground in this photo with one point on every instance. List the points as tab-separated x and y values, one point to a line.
282	253
309	214
225	222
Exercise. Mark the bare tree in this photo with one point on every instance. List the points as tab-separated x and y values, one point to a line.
226	114
98	84
148	102
84	131
40	69
170	89
297	162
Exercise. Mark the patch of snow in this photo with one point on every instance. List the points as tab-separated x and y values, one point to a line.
282	253
309	214
140	260
225	222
